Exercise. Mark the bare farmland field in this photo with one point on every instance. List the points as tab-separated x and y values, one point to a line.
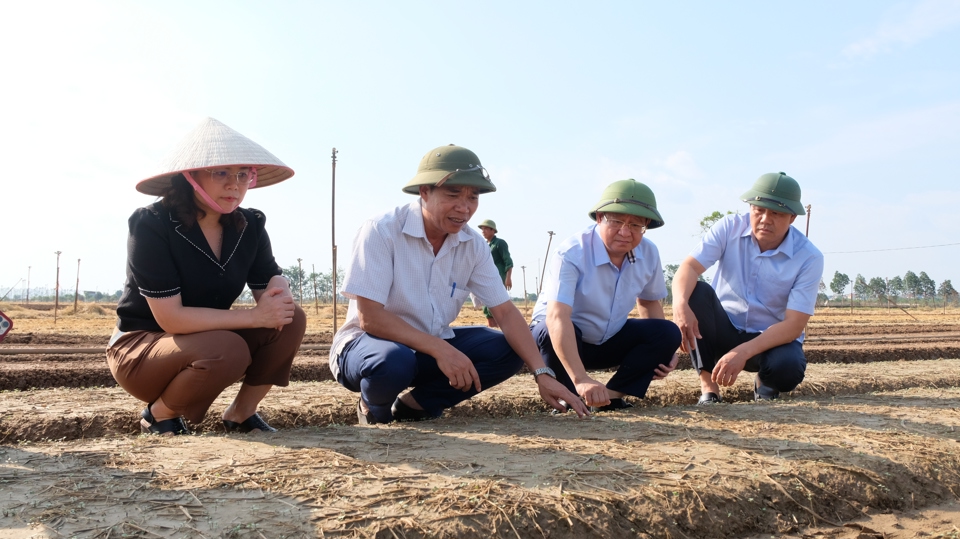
866	447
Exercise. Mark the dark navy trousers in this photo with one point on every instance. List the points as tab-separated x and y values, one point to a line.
781	367
380	370
637	349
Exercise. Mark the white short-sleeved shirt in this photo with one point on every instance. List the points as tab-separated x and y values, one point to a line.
580	274
757	288
393	264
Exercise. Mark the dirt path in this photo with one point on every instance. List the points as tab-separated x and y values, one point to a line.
856	443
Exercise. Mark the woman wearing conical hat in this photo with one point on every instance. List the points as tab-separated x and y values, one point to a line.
178	344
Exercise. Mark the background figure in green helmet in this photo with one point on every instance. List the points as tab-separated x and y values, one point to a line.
592	283
752	317
410	271
501	259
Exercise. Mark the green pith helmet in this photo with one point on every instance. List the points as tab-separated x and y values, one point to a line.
489	224
775	191
450	165
630	197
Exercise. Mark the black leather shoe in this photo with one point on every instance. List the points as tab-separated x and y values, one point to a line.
762	392
254	422
148	425
709	398
364	418
402	412
615	404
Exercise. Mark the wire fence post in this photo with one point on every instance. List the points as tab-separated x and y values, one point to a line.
547	257
316	296
300	279
76	293
56	292
807	233
333	230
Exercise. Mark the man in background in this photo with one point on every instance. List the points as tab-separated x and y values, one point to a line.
501	259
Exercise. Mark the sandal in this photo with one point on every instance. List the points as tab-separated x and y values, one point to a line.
403	412
174	426
254	422
709	398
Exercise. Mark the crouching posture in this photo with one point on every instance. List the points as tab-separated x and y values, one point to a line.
752	317
178	344
592	283
409	274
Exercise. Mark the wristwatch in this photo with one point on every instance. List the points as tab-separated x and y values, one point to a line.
544	370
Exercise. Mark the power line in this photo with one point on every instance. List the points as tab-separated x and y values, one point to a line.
891	249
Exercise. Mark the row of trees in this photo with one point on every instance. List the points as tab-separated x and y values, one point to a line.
308	287
918	287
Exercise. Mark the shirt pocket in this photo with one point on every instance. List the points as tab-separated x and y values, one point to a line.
773	289
450	300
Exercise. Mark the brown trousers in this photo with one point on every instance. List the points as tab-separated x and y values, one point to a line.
190	371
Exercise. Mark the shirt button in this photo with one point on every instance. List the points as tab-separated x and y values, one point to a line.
221	274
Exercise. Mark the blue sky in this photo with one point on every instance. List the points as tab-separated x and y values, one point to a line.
859	101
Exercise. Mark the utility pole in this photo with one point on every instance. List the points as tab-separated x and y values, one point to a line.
333	230
807	233
316	297
56	293
547	257
28	284
300	279
524	270
76	293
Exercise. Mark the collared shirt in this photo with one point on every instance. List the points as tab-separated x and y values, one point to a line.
501	256
756	288
580	274
165	258
393	264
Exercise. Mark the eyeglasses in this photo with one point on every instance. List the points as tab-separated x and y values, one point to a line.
223	175
617	224
471	168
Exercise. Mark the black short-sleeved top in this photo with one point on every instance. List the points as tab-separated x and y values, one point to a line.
165	258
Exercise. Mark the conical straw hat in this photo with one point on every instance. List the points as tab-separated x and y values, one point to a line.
212	145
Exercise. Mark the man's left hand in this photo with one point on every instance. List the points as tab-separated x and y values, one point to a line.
551	391
662	371
728	368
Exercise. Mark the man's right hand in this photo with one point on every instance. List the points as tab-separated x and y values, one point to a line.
593	392
684	318
458	368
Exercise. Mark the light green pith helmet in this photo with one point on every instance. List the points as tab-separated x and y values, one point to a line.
630	197
489	224
775	191
450	165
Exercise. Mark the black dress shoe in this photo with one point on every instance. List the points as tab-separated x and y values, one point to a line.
762	392
148	425
615	404
254	422
364	418
402	412
709	398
